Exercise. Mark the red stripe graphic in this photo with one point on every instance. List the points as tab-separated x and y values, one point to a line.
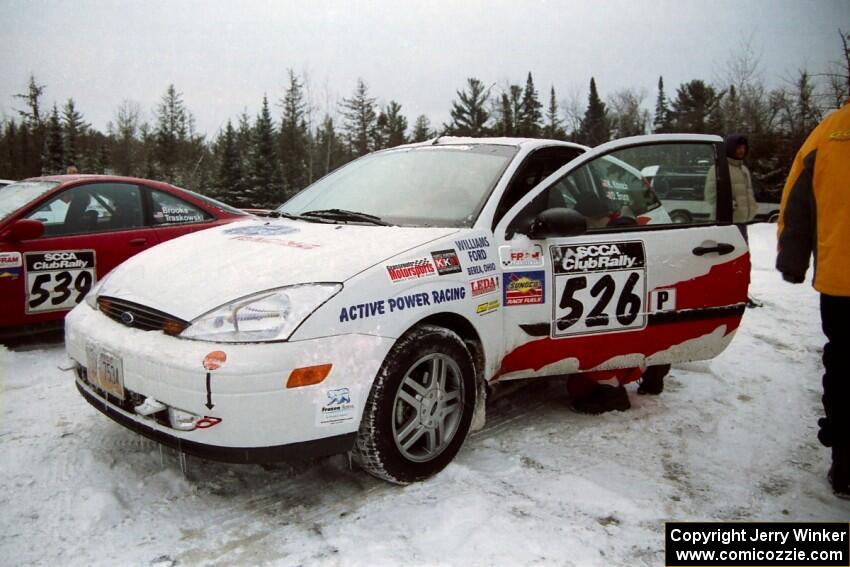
725	284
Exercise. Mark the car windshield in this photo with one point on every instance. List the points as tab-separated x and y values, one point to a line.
416	186
18	195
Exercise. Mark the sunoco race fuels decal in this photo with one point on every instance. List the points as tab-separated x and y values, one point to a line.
598	288
58	280
524	288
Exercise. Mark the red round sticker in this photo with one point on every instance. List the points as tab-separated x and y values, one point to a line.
214	360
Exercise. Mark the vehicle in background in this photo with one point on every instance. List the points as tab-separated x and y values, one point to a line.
682	192
374	313
59	235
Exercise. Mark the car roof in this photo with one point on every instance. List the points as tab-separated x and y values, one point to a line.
100	178
525	143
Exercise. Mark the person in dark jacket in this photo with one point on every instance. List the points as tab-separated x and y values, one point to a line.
814	217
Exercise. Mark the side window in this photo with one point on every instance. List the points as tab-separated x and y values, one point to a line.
649	184
84	209
168	209
537	167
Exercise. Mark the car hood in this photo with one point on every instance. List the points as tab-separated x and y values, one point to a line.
196	273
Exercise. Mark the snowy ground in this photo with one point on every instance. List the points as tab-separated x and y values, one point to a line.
730	439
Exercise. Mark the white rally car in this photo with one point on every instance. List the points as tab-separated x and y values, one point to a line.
371	315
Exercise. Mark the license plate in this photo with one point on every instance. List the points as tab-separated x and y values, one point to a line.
110	374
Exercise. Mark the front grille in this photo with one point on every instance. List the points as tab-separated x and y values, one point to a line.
140	317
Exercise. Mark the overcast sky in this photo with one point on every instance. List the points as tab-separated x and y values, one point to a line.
224	55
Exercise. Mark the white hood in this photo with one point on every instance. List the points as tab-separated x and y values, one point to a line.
196	273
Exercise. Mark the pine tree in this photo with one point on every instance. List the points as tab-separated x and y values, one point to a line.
53	160
73	130
294	138
172	130
530	115
422	129
395	128
330	148
595	126
101	162
507	112
469	114
661	123
124	133
264	175
31	133
554	129
696	109
360	120
229	182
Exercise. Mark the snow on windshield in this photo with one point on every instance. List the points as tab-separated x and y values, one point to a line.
17	195
425	186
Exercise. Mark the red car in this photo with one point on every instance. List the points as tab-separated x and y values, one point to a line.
60	234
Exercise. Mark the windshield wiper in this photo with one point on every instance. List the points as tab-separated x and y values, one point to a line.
344	215
279	214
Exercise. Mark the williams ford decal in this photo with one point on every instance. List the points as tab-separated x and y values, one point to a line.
447	262
56	281
400	303
524	288
474	248
412	270
598	288
10	265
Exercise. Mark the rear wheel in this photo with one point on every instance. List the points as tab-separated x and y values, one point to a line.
680	217
418	413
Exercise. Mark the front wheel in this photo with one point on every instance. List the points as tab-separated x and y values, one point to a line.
420	407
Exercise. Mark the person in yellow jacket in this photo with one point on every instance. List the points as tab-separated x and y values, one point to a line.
814	218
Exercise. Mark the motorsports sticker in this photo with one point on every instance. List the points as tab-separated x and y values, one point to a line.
598	288
10	265
59	280
412	270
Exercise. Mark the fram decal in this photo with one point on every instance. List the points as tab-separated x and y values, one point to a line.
10	265
261	230
524	288
483	286
412	270
447	262
526	257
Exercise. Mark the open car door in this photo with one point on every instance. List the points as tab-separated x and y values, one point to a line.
597	276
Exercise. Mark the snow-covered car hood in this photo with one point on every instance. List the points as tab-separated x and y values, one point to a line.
196	273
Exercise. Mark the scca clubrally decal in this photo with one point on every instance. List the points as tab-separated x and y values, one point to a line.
598	288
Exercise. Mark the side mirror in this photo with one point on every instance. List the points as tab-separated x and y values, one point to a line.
27	229
557	222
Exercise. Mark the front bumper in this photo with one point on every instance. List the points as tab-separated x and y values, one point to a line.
253	416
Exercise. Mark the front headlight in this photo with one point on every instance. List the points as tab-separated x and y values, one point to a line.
268	316
91	296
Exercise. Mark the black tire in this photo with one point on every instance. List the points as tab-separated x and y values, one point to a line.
411	429
652	380
680	217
